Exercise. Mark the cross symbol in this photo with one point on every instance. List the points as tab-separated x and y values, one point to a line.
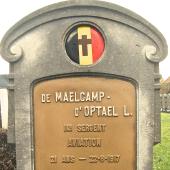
84	42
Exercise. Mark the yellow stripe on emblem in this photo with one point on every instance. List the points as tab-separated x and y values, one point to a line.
84	30
85	45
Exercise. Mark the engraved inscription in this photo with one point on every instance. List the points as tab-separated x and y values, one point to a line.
100	111
68	128
68	159
103	158
71	159
82	159
46	98
53	159
84	142
83	122
83	96
125	112
91	127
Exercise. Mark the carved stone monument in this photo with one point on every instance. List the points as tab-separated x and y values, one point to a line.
83	88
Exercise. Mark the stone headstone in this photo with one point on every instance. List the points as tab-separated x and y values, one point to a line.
84	87
165	102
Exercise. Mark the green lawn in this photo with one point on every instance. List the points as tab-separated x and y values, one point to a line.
162	151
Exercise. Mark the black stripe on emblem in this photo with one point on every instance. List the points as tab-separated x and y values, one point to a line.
72	46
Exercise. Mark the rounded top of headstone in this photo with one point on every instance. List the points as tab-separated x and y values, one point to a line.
82	8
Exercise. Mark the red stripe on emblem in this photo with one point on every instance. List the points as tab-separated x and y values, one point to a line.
97	44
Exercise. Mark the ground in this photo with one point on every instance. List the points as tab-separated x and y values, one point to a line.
162	150
7	153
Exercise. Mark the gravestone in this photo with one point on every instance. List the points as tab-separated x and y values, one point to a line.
165	102
83	88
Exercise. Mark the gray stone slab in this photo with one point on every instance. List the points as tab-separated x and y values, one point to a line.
35	49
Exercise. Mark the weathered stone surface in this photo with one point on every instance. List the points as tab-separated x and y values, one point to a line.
35	49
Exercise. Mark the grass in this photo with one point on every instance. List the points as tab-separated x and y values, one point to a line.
162	150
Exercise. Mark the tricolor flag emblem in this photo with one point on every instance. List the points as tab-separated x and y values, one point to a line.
85	45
